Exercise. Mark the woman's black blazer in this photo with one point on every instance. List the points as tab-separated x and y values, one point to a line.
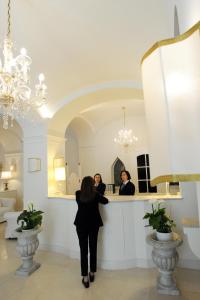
101	188
128	189
88	215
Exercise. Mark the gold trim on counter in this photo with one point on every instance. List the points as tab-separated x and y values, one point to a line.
175	178
174	40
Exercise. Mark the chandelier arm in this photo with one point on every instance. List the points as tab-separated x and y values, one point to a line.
9	22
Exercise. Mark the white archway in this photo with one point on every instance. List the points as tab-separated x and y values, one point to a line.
11	158
67	109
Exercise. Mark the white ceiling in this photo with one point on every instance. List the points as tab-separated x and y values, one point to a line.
80	43
101	114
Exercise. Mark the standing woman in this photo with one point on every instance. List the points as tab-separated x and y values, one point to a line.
126	187
87	222
98	183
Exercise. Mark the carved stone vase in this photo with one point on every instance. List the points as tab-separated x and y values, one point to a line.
165	257
27	244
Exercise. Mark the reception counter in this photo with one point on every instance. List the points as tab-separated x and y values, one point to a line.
117	198
122	240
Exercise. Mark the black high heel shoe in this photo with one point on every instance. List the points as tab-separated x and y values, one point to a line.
86	283
92	277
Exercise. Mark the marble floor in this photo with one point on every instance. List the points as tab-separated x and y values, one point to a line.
58	278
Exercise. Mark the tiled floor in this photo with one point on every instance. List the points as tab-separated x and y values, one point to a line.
59	279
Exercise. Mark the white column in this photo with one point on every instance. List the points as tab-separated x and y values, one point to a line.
35	183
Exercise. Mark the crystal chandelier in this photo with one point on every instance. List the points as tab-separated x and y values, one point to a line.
125	136
16	98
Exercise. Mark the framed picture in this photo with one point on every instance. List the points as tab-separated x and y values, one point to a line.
34	164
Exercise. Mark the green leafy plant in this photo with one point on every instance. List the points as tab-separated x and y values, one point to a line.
29	219
158	218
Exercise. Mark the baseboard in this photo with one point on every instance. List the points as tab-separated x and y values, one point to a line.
193	264
102	263
116	264
59	249
119	264
145	263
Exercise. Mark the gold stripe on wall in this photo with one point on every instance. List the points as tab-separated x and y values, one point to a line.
174	40
175	178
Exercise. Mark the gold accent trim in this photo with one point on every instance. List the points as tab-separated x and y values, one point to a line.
174	40
175	178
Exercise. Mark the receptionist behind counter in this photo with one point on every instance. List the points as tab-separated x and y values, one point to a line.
98	183
126	186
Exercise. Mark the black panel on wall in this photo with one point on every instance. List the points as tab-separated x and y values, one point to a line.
143	171
142	174
141	160
142	186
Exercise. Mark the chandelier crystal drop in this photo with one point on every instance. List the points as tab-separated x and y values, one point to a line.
16	98
125	136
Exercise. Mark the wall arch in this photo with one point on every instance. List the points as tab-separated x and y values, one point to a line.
11	154
117	167
77	134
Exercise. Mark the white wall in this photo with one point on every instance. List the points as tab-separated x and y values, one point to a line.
35	146
71	150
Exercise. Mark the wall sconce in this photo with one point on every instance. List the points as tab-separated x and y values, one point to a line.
6	175
13	166
59	174
58	162
60	177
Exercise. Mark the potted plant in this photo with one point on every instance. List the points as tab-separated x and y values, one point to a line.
160	221
30	221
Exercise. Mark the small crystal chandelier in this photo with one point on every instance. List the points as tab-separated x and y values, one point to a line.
15	92
125	137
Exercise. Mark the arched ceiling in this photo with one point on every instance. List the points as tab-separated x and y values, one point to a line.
80	43
58	124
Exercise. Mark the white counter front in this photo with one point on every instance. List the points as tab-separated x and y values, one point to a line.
122	239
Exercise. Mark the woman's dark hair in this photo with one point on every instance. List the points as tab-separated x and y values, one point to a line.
98	175
127	173
87	189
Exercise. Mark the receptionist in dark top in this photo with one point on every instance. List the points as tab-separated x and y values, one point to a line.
126	186
98	183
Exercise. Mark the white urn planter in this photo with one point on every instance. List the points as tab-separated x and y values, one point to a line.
27	244
164	236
